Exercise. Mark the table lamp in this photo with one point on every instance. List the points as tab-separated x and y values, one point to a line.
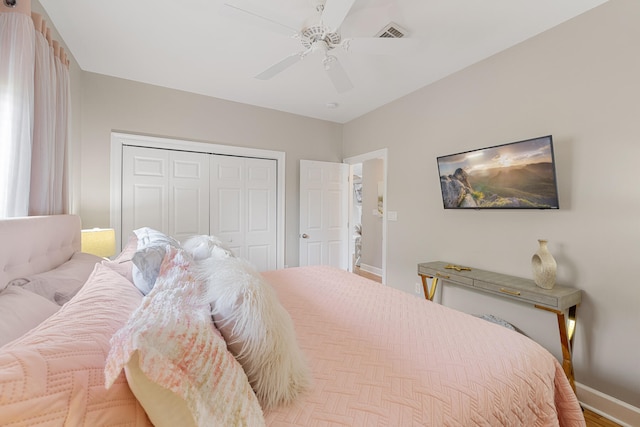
99	241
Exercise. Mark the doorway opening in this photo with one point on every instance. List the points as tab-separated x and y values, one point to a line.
367	218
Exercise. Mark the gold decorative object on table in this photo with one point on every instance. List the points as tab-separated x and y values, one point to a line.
457	268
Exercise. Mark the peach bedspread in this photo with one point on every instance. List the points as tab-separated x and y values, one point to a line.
381	357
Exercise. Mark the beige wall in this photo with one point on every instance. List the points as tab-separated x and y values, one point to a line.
581	83
111	104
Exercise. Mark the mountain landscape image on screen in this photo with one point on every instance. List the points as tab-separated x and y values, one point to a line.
519	175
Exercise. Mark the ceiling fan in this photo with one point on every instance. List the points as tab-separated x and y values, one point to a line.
320	33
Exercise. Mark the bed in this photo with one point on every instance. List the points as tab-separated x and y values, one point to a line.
375	356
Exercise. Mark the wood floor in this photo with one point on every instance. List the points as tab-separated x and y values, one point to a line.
595	420
592	419
366	274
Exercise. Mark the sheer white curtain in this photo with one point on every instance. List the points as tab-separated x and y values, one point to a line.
17	52
42	155
62	130
34	116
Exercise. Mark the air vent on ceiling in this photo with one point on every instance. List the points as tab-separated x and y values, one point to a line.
392	30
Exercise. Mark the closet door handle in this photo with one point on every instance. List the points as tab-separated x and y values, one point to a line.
304	235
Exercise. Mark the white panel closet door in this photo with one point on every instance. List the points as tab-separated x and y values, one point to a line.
243	207
189	194
227	207
145	189
165	190
260	190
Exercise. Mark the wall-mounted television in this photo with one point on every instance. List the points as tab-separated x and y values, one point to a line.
517	175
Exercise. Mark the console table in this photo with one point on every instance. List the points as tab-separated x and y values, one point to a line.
558	300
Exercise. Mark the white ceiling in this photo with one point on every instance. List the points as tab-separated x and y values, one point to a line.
200	46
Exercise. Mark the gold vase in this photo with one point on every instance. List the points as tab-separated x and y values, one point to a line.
544	267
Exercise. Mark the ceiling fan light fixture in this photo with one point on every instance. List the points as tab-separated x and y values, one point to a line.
328	61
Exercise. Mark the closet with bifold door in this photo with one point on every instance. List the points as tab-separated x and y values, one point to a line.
184	193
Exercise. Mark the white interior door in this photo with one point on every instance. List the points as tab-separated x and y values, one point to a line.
323	213
243	207
165	190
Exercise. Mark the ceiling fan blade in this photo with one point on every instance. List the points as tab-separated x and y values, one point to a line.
280	66
382	45
337	74
335	11
253	14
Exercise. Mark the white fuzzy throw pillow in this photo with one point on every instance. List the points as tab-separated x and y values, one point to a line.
202	247
257	328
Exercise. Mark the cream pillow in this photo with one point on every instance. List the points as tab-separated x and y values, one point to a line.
63	282
177	365
163	406
21	311
257	328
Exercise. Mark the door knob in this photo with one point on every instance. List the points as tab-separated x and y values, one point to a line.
305	236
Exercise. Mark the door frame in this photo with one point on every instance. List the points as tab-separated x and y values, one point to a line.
119	139
382	155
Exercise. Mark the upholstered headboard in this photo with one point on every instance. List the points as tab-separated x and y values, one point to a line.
31	245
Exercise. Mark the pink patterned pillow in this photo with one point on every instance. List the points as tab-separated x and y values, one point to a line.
122	264
176	363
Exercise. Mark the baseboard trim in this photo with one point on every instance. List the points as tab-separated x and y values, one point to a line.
371	269
614	409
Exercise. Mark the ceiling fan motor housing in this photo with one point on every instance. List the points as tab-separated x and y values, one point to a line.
310	35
